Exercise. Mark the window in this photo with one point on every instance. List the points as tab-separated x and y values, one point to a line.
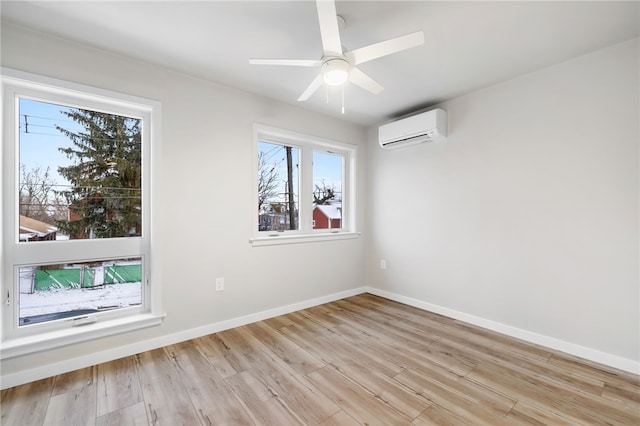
304	187
76	214
278	189
327	190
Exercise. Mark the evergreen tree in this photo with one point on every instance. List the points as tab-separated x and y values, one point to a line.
105	194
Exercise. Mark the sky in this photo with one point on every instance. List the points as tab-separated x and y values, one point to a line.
327	168
40	140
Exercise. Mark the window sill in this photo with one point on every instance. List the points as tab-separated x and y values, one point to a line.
54	339
306	238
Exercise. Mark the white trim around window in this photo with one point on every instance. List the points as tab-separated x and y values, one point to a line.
17	339
306	145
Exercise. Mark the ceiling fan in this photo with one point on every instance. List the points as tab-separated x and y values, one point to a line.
336	66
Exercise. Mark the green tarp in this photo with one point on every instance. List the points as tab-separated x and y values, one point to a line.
47	279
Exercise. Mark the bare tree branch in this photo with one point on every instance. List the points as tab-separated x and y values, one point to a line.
38	199
267	180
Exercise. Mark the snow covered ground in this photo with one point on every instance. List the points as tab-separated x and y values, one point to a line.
69	299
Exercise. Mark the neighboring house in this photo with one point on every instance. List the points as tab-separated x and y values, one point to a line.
97	200
35	230
327	216
275	217
75	214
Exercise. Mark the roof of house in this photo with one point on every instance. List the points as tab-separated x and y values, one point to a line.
35	227
331	211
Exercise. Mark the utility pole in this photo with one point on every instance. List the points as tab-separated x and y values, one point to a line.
292	203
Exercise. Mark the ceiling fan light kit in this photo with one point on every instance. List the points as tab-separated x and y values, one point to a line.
335	72
337	66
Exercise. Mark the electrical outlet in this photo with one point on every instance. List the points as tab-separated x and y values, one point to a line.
383	264
219	284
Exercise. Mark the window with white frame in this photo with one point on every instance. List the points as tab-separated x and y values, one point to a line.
304	187
76	214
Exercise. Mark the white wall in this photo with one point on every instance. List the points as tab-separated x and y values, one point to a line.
203	212
526	217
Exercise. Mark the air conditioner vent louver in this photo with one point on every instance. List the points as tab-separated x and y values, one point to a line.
428	126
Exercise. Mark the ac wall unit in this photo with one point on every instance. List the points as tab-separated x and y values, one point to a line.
428	126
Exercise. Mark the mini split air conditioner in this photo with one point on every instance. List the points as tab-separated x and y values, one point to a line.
428	126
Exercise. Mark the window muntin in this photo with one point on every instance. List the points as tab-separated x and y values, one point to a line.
278	187
334	169
16	254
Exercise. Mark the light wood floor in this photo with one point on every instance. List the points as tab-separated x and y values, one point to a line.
359	361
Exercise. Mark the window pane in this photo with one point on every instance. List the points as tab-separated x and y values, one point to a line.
327	190
80	173
278	178
52	292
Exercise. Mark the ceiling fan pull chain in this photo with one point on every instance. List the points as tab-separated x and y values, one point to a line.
342	92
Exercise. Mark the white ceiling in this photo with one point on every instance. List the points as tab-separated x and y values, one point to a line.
468	45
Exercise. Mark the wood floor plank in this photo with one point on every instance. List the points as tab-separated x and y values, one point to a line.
133	415
218	355
440	326
459	364
118	385
625	394
526	414
483	348
212	399
373	325
327	345
401	325
239	353
339	419
296	357
165	396
363	406
321	315
363	360
72	380
547	394
382	387
591	369
278	322
74	407
478	354
432	325
458	396
291	387
511	344
436	415
26	404
261	403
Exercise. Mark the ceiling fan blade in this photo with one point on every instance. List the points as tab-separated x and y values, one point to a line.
315	84
377	50
329	32
289	62
361	79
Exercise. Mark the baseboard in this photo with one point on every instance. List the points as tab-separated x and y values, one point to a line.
538	339
49	370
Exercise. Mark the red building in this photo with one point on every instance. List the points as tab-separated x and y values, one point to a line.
327	216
